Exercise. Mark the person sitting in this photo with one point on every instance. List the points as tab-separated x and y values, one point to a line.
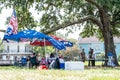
43	64
52	55
43	61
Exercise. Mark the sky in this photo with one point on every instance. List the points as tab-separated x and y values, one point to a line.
8	12
3	16
74	35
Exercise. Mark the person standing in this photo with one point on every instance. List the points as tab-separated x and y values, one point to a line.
33	60
90	62
93	59
82	54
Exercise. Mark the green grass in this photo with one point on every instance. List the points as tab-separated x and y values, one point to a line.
97	63
16	73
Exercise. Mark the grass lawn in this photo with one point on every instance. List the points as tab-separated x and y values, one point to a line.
97	63
102	73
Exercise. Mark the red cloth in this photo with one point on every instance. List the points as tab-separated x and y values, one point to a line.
42	67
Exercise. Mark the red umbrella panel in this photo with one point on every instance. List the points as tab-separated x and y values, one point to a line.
47	43
40	43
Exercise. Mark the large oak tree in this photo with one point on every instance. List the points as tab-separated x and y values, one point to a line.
58	14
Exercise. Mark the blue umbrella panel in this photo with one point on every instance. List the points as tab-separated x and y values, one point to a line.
32	34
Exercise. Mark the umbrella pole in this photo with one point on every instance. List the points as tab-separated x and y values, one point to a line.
44	48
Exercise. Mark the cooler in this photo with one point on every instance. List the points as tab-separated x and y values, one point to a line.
62	65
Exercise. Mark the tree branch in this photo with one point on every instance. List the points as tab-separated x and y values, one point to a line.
93	19
94	3
100	9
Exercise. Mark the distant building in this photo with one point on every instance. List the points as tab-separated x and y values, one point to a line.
14	49
96	44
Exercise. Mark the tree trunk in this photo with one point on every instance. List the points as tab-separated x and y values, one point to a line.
109	46
108	36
